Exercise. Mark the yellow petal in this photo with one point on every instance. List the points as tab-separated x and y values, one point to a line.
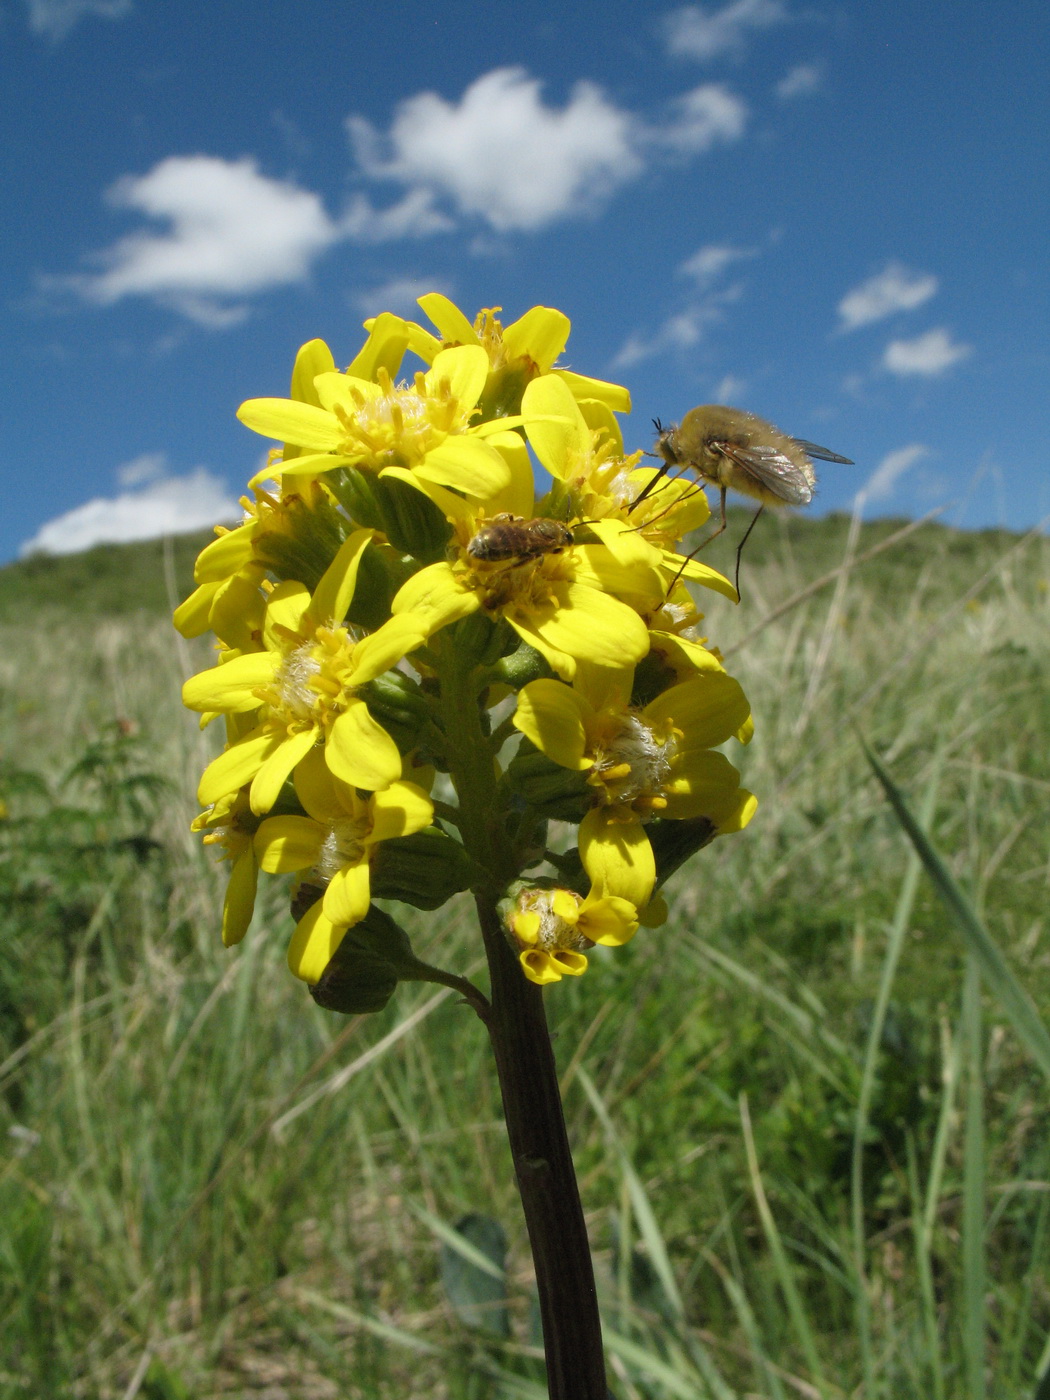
566	961
604	688
454	327
518	497
378	652
399	811
318	789
436	597
627	546
600	417
225	555
560	662
608	920
640	586
231	687
347	898
237	767
288	843
422	343
384	349
288	421
271	777
618	857
335	590
239	609
313	944
464	368
239	904
540	335
360	751
555	426
539	967
684	654
466	464
695	572
704	784
709	709
313	358
525	926
306	464
615	395
285	608
192	618
553	717
591	626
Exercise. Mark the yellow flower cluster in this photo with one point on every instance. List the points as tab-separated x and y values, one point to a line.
398	604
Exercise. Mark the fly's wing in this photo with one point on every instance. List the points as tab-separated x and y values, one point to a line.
770	469
812	449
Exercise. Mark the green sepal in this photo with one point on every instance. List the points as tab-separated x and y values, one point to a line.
675	842
410	520
551	789
306	541
356	492
474	638
425	869
378	579
362	975
522	665
504	388
396	698
652	676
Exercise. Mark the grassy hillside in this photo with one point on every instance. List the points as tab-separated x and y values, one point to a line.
184	1212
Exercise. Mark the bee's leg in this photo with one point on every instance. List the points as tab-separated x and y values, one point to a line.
703	544
648	487
740	546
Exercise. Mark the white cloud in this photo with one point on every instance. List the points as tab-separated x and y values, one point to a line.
893	289
232	232
150	466
693	32
884	478
800	81
701	118
704	306
728	388
500	153
503	155
56	18
169	505
928	354
710	261
400	295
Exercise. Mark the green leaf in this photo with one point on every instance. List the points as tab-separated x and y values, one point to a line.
473	1272
1013	999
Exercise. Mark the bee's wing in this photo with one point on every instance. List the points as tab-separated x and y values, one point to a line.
812	449
772	470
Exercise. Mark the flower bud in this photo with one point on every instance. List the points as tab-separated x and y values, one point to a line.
553	790
410	520
424	870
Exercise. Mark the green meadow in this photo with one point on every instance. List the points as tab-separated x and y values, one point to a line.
813	1148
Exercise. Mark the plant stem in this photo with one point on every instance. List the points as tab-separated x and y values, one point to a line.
539	1143
528	1075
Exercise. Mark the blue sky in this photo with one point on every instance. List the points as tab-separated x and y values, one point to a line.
834	215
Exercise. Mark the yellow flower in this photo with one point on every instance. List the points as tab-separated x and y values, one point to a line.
585	456
641	762
336	841
560	602
374	425
553	927
230	825
304	683
516	353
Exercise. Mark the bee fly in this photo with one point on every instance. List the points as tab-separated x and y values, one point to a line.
738	451
513	540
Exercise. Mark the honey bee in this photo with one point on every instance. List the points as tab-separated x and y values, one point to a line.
513	539
738	451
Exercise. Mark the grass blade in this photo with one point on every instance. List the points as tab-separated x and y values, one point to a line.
974	1278
1013	999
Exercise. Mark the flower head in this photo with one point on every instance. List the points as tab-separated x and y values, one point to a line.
553	928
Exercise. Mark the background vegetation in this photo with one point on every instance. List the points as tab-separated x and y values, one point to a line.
209	1187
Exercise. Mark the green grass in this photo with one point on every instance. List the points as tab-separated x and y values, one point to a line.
815	1157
